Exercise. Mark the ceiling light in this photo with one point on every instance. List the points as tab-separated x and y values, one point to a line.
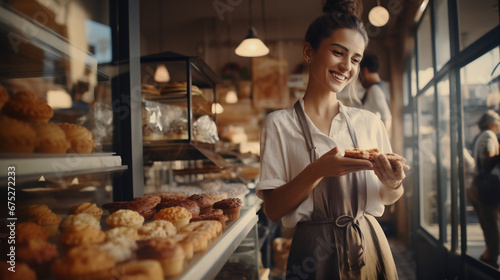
161	74
378	16
231	97
251	46
217	108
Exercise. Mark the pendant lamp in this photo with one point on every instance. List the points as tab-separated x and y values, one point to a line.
378	16
251	46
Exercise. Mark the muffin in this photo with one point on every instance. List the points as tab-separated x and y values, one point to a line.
117	232
89	208
38	254
139	270
157	229
166	251
79	138
23	272
121	249
16	136
144	205
77	235
221	218
125	218
84	263
4	97
29	230
204	203
230	206
190	205
79	219
43	216
186	241
179	216
50	138
26	106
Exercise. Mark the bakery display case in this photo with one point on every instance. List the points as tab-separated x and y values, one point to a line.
179	100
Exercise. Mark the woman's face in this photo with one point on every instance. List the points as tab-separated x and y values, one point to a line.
336	61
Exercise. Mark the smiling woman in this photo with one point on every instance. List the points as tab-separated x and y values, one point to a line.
329	199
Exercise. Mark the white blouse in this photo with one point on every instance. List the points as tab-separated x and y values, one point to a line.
284	153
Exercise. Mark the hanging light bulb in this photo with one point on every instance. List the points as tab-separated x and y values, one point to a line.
161	74
231	97
251	46
217	108
378	16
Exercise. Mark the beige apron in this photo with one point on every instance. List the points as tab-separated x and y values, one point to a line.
341	241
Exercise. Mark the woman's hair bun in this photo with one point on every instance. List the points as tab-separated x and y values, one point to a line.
352	7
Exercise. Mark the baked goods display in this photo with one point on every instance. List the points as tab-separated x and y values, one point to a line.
179	87
369	154
26	128
190	205
144	205
125	218
230	206
42	215
178	216
203	201
79	219
164	250
26	106
16	136
88	208
79	138
82	263
128	248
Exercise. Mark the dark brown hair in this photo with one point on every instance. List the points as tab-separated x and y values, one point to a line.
336	14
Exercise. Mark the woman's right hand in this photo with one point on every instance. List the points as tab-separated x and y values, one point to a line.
334	164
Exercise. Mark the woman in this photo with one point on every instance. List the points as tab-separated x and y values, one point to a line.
308	184
486	147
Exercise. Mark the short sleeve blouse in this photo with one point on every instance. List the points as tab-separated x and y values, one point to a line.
284	153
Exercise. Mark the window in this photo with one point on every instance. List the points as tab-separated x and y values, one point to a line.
442	37
475	19
424	48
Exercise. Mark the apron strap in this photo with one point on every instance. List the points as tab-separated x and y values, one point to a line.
305	130
354	241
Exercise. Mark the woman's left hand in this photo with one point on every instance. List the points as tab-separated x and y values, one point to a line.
388	176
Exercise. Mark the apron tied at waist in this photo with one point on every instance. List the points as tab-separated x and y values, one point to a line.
353	241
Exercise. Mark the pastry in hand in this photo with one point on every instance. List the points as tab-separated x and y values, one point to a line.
26	106
369	154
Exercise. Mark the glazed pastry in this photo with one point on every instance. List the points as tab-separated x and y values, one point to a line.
204	202
89	208
230	206
190	205
166	251
79	219
29	230
50	138
117	232
139	270
125	218
77	235
121	249
16	136
179	216
79	138
26	106
157	229
84	263
23	272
